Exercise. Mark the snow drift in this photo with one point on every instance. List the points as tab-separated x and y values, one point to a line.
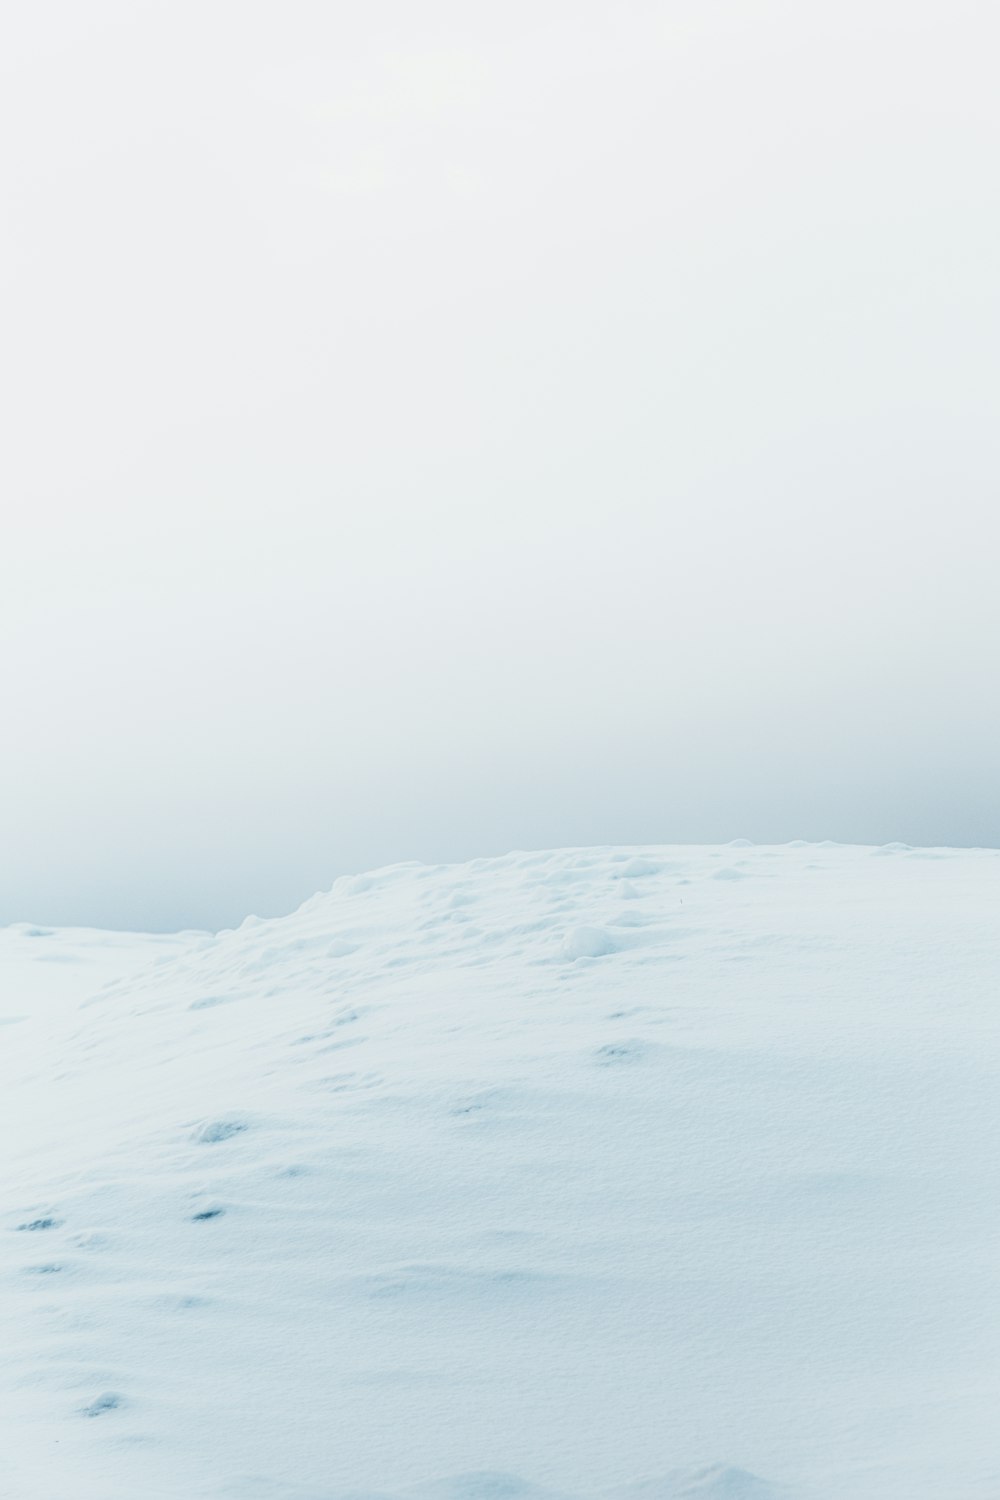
650	1174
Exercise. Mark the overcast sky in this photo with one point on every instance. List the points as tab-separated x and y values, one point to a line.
437	428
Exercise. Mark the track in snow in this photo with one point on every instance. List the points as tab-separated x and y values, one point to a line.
579	1166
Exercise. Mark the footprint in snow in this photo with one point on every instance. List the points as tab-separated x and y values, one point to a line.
615	1053
347	1017
214	1131
107	1401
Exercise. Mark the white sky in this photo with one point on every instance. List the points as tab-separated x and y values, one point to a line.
434	429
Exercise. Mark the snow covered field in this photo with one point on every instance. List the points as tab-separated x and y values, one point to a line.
558	1172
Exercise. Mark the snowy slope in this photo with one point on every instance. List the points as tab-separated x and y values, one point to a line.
650	1174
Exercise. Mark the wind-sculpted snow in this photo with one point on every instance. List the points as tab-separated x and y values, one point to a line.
641	1174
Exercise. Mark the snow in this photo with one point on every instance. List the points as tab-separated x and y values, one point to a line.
648	1174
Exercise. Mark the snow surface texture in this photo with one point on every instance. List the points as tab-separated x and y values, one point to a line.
544	1174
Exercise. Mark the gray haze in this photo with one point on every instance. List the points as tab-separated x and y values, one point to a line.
435	429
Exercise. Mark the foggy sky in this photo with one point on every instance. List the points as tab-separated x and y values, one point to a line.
433	429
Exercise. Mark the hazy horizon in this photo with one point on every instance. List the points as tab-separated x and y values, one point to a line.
436	431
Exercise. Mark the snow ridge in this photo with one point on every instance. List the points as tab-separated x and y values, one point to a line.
545	1172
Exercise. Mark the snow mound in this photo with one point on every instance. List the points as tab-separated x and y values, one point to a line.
544	1172
589	942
